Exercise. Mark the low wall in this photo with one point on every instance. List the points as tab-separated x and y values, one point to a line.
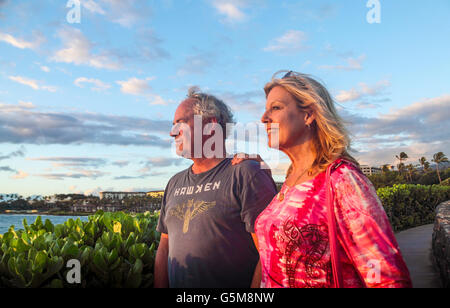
441	242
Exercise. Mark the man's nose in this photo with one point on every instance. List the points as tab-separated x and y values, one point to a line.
175	131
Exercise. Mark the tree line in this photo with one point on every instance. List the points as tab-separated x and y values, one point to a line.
421	172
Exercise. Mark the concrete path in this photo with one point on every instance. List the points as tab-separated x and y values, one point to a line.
415	245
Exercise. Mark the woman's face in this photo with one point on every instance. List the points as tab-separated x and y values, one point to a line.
286	123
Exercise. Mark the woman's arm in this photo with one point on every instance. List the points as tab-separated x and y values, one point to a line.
366	232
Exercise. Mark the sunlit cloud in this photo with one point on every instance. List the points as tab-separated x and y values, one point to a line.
232	10
363	90
21	43
77	49
141	87
98	85
59	162
135	86
34	84
290	42
421	127
92	6
20	175
21	125
351	64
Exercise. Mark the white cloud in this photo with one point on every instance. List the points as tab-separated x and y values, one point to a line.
98	84
21	43
78	50
291	41
157	100
25	81
45	68
135	86
196	64
420	129
74	174
95	191
127	12
92	7
141	87
32	83
26	105
363	91
20	175
352	64
231	9
20	125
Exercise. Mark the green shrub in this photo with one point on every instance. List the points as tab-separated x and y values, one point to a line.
114	249
446	182
409	206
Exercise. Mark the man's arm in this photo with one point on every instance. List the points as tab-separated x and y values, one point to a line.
161	266
256	282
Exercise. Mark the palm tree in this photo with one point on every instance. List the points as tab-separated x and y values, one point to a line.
439	158
423	162
402	157
410	169
426	166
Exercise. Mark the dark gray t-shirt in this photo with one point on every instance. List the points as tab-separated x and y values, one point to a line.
209	218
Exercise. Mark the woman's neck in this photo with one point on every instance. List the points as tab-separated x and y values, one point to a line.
302	156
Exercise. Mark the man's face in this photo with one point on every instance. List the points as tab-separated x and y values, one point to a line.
183	129
195	136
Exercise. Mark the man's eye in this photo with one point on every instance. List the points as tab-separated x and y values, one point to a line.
275	108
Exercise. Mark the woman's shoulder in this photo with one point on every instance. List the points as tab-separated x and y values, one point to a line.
348	173
354	190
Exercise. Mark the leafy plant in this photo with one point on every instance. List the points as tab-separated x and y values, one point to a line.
114	250
409	206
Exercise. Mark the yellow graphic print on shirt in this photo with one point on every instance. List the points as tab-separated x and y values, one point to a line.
187	211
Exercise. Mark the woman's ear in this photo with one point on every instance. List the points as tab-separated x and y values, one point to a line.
309	118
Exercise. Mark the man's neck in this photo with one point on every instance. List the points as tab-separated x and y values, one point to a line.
205	164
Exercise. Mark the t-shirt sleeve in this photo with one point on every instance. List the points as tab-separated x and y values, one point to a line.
366	232
256	191
162	227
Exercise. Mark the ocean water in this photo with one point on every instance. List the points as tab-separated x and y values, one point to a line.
7	221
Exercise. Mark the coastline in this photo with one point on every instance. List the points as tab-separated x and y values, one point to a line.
46	213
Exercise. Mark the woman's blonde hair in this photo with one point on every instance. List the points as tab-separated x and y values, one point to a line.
330	137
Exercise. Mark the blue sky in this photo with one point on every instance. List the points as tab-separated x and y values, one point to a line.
86	107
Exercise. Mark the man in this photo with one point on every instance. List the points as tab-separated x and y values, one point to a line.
209	210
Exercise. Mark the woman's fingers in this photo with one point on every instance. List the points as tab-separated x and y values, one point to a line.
240	157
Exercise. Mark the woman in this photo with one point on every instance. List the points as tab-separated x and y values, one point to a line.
293	231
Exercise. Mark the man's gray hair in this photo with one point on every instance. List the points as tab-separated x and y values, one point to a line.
210	106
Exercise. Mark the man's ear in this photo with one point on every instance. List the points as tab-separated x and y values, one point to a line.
209	121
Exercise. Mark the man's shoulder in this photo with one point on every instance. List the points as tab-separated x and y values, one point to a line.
177	176
248	167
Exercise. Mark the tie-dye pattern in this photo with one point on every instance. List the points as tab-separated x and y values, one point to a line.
294	242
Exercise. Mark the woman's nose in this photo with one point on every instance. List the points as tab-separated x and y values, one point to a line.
265	117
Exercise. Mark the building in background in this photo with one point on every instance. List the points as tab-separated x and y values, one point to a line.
156	194
120	195
367	170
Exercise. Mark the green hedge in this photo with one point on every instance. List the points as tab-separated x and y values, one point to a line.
118	250
114	249
409	206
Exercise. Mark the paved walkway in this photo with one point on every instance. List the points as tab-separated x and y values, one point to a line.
415	245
